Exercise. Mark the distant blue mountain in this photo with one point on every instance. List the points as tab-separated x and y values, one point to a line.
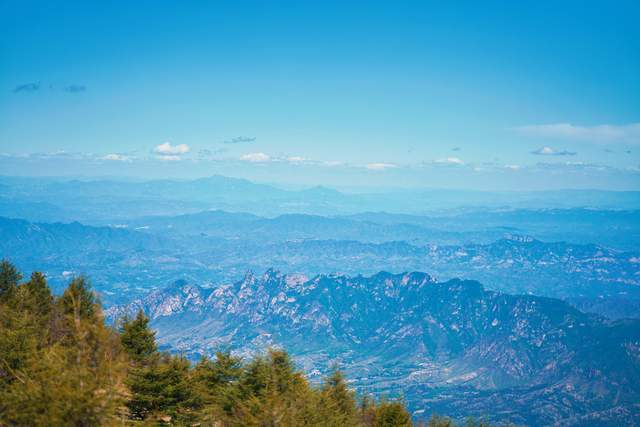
127	260
97	200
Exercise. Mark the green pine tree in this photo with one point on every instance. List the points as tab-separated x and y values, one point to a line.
163	391
79	300
392	414
18	342
339	400
39	294
9	278
439	421
367	411
75	377
217	381
138	339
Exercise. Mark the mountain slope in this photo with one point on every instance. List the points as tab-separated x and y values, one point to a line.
120	258
21	237
440	342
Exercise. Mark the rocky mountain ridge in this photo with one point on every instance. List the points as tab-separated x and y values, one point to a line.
437	342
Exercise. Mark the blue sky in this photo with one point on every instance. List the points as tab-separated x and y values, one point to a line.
488	95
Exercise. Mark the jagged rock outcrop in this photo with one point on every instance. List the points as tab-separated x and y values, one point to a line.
440	344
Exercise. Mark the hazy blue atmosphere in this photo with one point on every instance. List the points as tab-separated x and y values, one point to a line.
442	199
533	95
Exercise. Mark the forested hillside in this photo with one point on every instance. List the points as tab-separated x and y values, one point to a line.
61	365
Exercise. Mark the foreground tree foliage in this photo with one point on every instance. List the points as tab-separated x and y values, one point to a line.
60	365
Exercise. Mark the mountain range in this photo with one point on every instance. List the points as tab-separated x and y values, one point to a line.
551	337
452	347
65	199
125	263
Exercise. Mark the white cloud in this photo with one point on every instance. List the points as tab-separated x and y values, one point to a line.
256	157
169	158
544	151
574	167
168	149
333	163
260	157
297	159
450	161
115	157
62	154
602	133
380	166
548	151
